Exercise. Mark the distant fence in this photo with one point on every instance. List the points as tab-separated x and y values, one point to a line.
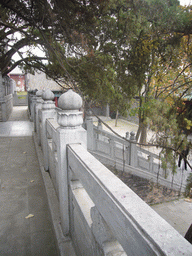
98	211
125	155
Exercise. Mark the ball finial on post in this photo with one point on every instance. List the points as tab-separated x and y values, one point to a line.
39	93
48	97
70	117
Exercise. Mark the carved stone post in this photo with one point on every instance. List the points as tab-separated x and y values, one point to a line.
2	88
70	131
112	148
33	100
107	113
150	159
47	111
30	97
133	150
127	135
90	134
38	105
100	128
2	99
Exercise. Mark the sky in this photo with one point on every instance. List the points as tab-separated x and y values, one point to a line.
185	2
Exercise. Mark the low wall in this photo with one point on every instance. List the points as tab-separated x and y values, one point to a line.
98	212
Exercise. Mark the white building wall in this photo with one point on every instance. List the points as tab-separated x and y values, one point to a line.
40	81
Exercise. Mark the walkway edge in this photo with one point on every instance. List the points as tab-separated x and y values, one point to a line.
64	244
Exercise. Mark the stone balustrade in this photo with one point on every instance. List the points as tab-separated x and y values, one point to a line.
126	156
98	211
37	104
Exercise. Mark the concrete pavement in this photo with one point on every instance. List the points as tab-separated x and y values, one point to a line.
177	213
18	124
25	221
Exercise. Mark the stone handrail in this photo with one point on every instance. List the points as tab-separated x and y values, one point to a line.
98	211
124	217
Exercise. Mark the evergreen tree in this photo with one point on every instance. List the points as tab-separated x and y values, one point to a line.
110	51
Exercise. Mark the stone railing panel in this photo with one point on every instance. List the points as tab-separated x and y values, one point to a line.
80	220
52	125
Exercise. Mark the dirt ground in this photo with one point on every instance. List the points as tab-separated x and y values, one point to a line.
150	192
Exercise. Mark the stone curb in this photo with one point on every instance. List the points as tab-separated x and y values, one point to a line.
64	243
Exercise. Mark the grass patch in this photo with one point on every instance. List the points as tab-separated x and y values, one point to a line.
21	93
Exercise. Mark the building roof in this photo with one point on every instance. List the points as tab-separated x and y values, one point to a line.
16	71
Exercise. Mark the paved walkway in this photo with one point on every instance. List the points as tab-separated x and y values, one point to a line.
177	213
18	124
25	223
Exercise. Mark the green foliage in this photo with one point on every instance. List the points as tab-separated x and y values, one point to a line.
167	132
168	161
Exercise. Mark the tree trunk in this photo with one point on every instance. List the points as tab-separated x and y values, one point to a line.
141	136
138	132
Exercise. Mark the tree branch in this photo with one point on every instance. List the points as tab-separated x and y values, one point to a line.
20	61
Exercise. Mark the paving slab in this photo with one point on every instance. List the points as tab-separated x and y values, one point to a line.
16	128
23	193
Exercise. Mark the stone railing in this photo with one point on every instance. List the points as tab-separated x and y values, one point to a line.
126	156
99	213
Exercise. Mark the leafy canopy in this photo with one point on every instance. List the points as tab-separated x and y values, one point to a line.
110	51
